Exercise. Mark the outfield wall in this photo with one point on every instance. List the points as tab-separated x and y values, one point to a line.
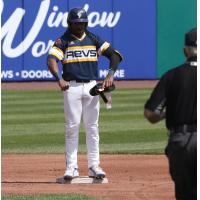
174	18
139	29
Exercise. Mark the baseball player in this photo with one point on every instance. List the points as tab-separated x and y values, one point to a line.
78	50
177	93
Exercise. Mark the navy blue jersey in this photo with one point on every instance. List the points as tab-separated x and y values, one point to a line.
79	56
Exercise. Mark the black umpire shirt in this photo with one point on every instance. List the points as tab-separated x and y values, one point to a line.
177	92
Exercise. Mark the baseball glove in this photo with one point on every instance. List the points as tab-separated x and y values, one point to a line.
98	90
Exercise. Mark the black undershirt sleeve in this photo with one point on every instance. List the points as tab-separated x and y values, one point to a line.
114	57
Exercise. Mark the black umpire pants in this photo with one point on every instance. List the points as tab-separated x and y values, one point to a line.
182	156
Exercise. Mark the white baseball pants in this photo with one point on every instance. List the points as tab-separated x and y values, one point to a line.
79	103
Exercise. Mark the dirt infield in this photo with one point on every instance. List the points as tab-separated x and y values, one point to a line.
131	177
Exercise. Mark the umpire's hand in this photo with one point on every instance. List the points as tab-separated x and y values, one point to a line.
64	85
108	81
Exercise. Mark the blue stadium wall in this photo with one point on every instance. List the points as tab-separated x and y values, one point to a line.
29	28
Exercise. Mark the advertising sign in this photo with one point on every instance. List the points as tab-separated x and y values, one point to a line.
29	28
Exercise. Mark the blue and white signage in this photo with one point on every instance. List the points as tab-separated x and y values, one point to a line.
29	28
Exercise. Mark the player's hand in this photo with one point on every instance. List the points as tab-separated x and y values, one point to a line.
64	85
108	81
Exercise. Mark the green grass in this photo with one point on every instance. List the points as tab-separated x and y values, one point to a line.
33	122
49	197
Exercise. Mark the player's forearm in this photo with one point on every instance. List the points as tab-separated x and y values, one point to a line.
114	57
53	68
114	62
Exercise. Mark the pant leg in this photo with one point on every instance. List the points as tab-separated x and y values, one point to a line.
91	108
73	112
191	164
179	163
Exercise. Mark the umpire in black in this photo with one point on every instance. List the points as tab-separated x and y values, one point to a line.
175	98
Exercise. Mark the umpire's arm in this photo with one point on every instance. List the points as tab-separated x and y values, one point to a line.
154	108
153	117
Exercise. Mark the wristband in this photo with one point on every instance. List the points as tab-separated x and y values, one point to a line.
57	75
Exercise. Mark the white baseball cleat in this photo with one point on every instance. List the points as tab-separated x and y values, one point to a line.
71	173
96	172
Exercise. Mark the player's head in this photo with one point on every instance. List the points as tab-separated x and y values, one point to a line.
77	15
190	49
77	20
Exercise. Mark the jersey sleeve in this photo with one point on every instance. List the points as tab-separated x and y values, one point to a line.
101	45
57	50
104	47
157	100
